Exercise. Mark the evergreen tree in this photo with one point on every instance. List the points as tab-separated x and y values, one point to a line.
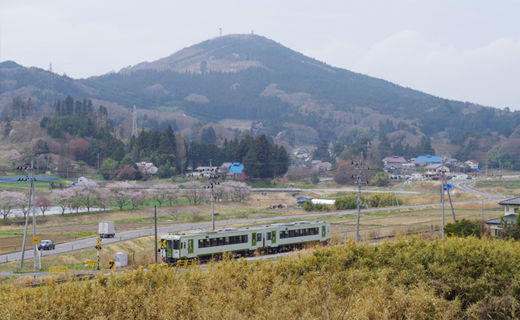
208	136
282	161
264	156
251	167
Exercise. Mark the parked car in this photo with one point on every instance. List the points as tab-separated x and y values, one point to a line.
46	245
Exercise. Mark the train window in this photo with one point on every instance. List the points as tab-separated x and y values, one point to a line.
258	237
176	244
268	235
244	238
220	241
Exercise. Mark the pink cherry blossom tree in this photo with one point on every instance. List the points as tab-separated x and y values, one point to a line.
43	203
119	192
87	194
61	197
10	200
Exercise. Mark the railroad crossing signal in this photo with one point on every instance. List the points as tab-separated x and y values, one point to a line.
98	244
163	244
35	240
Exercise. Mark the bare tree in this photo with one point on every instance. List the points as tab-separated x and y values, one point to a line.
239	191
171	194
194	192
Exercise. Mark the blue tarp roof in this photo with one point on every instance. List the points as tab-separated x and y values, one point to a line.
429	159
236	167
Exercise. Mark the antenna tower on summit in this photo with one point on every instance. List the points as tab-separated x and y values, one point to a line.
134	122
51	85
220	32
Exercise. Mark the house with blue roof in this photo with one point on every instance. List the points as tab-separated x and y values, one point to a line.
236	169
427	159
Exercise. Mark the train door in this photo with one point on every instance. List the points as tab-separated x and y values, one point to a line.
190	246
263	242
253	239
273	237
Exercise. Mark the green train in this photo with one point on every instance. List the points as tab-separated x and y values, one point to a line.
273	238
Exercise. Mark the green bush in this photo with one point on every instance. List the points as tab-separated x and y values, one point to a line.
373	200
309	206
464	228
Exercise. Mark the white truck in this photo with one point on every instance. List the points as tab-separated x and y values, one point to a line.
106	229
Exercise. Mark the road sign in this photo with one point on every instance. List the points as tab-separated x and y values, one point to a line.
447	186
36	240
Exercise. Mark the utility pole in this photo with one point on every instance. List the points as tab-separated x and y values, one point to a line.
29	178
442	203
482	210
445	183
155	231
213	181
35	245
360	179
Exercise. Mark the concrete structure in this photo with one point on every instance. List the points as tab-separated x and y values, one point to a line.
121	259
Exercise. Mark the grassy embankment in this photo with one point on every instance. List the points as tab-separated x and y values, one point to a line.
509	187
405	279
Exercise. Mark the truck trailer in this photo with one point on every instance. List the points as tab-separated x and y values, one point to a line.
106	229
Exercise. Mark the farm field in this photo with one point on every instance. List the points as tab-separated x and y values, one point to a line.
374	227
68	227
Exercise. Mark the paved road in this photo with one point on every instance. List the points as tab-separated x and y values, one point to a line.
464	185
89	243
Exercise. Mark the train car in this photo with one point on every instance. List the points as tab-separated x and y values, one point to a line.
277	237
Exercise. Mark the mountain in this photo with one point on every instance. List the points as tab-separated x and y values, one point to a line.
286	94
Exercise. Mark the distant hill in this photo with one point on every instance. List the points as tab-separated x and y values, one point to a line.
286	94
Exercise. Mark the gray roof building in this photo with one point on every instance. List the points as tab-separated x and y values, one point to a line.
512	201
510	218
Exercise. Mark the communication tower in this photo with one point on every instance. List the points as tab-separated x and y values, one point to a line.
51	85
134	122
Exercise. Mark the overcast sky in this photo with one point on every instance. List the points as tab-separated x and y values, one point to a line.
464	50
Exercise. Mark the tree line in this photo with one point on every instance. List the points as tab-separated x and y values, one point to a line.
122	195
